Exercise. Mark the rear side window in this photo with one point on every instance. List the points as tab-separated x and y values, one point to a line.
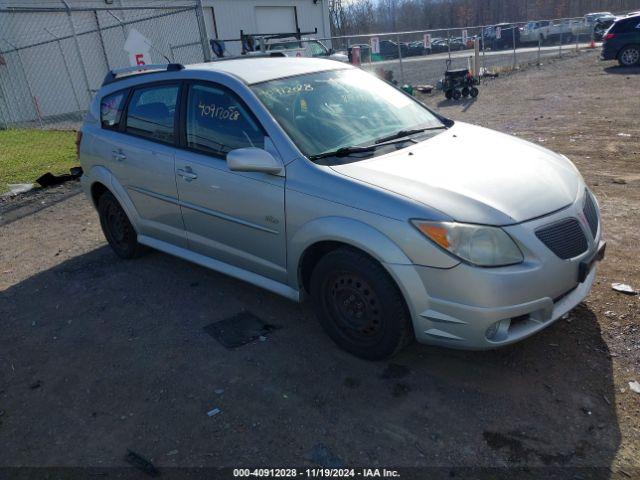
217	122
111	108
151	112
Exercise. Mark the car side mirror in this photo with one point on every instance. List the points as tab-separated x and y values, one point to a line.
253	159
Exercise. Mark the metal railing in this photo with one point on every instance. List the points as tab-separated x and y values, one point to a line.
421	56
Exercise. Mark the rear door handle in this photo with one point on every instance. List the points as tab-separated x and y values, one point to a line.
186	174
118	156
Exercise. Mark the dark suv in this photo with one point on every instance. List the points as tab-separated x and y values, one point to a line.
622	42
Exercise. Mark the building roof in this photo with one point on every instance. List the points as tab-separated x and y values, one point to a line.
256	70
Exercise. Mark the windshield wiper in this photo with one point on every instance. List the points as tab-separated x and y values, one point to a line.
343	152
346	151
407	133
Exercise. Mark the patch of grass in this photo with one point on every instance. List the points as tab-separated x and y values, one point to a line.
27	154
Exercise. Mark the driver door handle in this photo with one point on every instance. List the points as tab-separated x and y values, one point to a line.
118	156
187	174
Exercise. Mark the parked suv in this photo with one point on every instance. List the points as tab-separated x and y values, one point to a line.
312	178
622	42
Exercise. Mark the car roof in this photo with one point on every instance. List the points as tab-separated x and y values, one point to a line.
262	69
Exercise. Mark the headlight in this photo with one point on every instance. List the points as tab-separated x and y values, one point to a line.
478	244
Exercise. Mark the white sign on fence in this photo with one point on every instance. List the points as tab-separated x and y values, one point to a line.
375	45
464	36
137	46
498	32
426	40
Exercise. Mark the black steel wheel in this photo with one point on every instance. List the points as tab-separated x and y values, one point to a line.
448	94
117	228
359	305
457	94
465	92
473	91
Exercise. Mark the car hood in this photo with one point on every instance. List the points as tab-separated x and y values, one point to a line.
475	175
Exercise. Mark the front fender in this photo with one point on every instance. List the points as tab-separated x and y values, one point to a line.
345	230
364	237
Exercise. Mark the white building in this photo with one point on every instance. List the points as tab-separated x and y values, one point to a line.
47	72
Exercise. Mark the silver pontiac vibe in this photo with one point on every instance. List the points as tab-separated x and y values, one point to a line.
314	179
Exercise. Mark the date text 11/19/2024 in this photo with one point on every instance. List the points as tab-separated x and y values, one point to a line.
315	473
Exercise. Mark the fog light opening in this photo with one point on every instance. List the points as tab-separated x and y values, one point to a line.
499	330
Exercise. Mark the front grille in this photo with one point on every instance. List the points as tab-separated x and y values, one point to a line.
564	238
591	213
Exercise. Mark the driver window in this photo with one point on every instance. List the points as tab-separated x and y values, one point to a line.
218	122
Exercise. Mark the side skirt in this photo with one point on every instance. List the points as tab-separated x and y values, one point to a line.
222	267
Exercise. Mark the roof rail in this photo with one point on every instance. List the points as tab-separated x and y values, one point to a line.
122	73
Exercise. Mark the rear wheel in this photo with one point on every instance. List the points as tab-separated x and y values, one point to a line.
359	305
465	91
629	56
117	228
448	94
456	94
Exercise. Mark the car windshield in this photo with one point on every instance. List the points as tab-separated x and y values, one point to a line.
325	111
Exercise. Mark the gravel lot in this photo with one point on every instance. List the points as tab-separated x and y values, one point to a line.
100	355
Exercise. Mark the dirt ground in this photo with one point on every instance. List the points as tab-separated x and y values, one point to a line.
100	355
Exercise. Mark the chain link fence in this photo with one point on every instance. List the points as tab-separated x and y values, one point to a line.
421	57
52	60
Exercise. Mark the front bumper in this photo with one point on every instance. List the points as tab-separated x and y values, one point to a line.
481	308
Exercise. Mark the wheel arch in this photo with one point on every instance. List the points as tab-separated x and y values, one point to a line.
102	180
319	237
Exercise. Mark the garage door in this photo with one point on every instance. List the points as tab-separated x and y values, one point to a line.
276	19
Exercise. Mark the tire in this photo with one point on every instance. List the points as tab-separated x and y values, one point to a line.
473	91
629	56
359	305
448	94
117	228
465	92
456	94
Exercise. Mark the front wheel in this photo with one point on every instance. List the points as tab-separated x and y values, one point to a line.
359	305
629	56
473	91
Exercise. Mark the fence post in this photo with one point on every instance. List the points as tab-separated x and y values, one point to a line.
483	47
36	108
449	45
101	38
66	67
513	38
206	48
560	50
400	59
83	67
3	96
539	46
